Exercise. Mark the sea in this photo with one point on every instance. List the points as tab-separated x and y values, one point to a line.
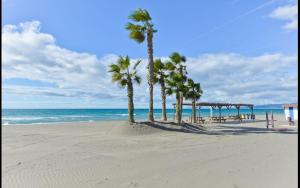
48	116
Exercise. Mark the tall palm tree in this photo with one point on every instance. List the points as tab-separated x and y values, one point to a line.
194	93
124	73
176	81
174	86
177	63
141	29
159	77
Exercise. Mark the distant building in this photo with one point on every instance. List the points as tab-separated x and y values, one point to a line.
291	112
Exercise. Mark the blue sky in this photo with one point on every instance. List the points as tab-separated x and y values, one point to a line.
52	38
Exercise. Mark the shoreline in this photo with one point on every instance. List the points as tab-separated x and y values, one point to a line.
42	116
278	117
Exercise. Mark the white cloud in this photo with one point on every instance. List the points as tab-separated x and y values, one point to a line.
269	78
287	13
31	54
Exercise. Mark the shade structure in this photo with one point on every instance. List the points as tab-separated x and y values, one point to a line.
214	105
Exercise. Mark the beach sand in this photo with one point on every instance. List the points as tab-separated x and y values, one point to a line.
114	154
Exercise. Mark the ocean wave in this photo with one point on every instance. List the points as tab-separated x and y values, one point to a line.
76	116
5	123
22	118
28	118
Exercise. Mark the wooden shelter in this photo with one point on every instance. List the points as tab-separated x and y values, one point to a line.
217	105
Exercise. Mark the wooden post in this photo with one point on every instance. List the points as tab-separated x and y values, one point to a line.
267	120
174	112
238	109
272	119
220	113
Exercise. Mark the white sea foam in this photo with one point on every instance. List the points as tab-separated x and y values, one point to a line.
22	118
75	116
5	123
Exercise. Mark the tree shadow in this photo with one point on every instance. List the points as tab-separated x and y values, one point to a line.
243	122
225	129
240	130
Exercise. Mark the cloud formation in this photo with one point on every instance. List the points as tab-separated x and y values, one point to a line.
288	13
268	78
31	54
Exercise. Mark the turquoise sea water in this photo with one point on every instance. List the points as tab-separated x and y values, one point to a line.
41	116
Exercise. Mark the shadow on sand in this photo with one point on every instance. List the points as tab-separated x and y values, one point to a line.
216	130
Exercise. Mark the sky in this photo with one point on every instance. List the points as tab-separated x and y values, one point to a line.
55	53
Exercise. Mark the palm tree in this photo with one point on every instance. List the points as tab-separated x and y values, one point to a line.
141	29
194	93
176	81
174	86
159	77
125	74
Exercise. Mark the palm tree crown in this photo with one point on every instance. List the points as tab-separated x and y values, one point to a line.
177	73
159	71
194	90
143	26
122	71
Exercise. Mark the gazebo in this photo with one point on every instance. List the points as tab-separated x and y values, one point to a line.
217	105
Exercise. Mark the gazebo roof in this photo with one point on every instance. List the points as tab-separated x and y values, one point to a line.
218	104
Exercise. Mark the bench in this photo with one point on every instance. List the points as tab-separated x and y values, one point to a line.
217	119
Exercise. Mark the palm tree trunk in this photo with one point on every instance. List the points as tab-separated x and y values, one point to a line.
150	76
178	113
181	103
130	102
194	111
163	99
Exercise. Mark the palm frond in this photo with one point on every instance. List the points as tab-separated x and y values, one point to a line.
114	68
193	90
136	35
190	82
177	58
158	65
123	82
123	63
134	27
177	77
140	15
117	77
169	91
197	87
171	83
136	64
183	58
137	79
155	79
170	66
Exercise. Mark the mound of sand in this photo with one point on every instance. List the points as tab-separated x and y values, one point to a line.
136	129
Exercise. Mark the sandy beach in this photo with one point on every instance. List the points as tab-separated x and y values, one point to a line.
114	154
